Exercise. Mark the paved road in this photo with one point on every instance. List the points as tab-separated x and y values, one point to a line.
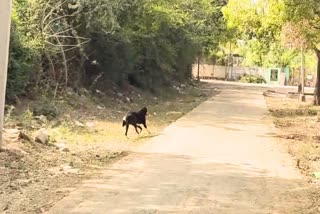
220	158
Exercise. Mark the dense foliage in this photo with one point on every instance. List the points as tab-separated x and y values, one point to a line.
274	32
76	43
302	22
250	78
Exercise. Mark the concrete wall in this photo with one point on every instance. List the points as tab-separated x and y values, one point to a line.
221	72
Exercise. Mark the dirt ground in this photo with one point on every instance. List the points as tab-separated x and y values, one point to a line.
84	139
222	157
298	124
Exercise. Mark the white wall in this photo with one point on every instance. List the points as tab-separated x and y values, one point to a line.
220	72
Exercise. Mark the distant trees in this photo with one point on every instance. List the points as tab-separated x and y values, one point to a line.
303	18
147	42
265	25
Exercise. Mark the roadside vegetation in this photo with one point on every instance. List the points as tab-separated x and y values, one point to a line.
299	124
298	131
76	67
273	34
85	136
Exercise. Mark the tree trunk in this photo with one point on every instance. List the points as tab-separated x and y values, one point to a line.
316	99
302	71
198	76
5	21
302	97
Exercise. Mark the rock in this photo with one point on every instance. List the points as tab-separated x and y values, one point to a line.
129	100
59	145
69	169
119	94
69	91
78	123
42	136
62	147
24	136
12	131
42	118
90	125
100	107
100	93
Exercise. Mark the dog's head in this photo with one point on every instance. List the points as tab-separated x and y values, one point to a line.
144	110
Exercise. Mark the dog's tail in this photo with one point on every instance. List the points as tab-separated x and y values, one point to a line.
124	121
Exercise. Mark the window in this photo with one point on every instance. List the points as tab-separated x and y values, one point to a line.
274	75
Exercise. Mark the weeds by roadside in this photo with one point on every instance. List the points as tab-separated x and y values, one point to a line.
299	125
85	136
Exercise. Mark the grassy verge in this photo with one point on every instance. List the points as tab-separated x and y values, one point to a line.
34	176
299	126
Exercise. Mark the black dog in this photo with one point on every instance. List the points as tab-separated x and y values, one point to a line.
135	118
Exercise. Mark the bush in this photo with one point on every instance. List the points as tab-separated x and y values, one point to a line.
249	78
21	62
92	43
46	108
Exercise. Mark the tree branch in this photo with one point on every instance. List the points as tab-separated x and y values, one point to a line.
64	59
52	10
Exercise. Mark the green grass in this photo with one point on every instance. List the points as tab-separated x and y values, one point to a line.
94	120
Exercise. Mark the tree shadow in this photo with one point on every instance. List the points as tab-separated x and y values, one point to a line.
148	136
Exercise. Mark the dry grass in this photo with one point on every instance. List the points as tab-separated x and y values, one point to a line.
299	125
100	122
34	176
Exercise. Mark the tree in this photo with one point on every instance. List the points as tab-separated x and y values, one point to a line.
258	25
150	43
305	15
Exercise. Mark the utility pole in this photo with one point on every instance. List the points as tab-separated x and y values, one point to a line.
302	97
5	23
230	62
198	74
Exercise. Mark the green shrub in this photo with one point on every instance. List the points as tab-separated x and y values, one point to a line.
21	61
60	44
249	78
46	108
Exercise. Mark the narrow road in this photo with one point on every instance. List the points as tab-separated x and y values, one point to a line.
220	158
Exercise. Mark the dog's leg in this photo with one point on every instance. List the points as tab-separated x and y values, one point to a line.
127	127
139	128
135	126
